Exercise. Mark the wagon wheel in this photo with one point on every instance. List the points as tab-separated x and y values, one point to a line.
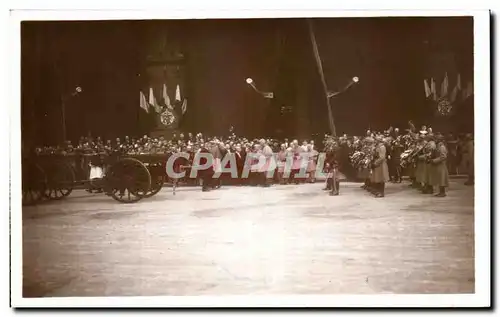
60	181
34	184
128	180
157	182
157	179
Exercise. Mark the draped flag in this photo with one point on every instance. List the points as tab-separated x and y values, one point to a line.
166	99
143	102
456	89
184	106
453	96
427	89
444	86
433	89
178	93
152	101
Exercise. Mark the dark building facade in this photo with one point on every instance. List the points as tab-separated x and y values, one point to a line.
210	59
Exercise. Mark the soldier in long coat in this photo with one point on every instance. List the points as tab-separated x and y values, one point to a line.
332	179
421	166
206	174
364	172
380	169
429	168
397	150
439	176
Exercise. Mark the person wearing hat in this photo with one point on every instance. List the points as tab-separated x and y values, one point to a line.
332	164
411	168
420	165
429	150
439	171
380	170
365	171
397	150
207	173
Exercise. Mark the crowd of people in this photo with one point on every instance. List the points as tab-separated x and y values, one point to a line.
375	158
425	157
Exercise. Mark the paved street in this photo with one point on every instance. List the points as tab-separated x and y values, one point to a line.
292	239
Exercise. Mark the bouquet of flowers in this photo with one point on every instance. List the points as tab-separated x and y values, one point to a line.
330	144
406	140
406	158
358	159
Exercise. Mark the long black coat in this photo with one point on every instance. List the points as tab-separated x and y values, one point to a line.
203	161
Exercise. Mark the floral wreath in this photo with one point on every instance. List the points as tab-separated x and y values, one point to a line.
444	106
167	118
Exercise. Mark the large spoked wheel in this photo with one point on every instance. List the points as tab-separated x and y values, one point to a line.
157	180
34	184
60	181
128	180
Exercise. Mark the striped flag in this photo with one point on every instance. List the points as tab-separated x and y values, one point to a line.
433	89
152	101
453	96
178	93
427	89
143	102
166	98
184	106
444	86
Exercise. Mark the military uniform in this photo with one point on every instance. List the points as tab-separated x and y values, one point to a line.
429	167
439	176
397	150
206	174
365	172
380	170
421	166
334	175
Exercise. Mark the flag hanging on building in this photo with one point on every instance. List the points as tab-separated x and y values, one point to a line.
143	103
152	101
444	86
433	89
427	89
166	98
459	82
184	106
178	93
453	96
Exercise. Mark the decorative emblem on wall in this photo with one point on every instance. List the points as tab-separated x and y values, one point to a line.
444	107
167	118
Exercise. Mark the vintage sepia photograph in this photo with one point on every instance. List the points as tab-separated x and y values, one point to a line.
263	156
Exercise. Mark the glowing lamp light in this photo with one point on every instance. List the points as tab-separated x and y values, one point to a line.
249	80
355	79
78	89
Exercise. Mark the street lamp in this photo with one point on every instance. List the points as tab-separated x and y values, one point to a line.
267	95
353	81
64	99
